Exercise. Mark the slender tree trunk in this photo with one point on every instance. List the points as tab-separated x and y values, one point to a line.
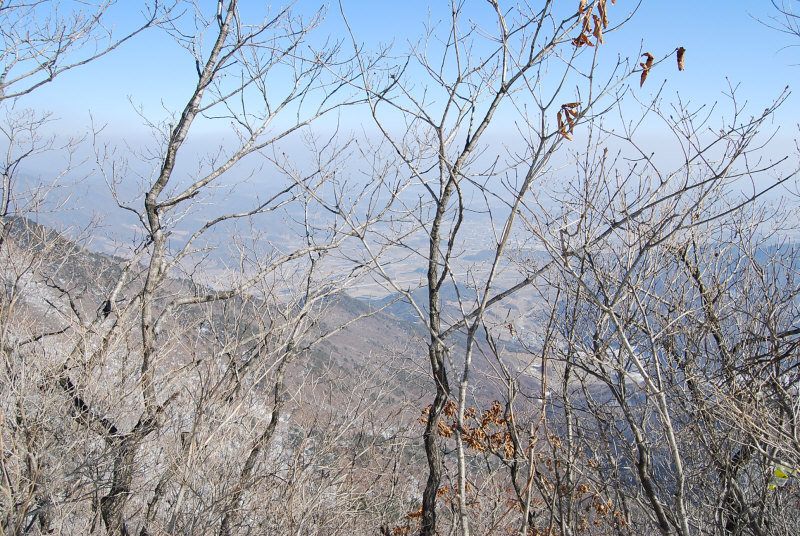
431	440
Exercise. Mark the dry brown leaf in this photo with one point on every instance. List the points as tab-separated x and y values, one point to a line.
569	120
646	67
582	7
581	40
601	8
681	52
587	24
598	29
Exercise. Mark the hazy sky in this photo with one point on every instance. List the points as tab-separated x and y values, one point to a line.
725	43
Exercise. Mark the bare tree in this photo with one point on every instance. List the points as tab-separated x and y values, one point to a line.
661	282
173	389
461	82
41	40
292	281
601	248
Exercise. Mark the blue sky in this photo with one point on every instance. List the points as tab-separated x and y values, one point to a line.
725	44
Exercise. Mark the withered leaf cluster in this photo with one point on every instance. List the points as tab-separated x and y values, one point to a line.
592	25
648	63
482	433
567	118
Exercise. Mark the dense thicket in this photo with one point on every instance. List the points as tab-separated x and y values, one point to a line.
420	323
